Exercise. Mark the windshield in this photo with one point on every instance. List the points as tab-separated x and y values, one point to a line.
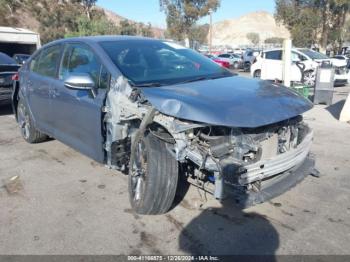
313	54
155	63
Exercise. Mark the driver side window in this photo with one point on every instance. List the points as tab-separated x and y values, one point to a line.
79	59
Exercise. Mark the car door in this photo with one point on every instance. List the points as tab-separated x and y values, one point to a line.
272	65
42	72
78	113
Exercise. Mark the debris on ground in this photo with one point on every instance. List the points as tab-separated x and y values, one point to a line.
13	185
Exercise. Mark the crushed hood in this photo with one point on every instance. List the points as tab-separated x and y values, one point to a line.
232	101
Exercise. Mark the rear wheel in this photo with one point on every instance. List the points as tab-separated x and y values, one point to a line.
309	78
257	74
153	177
28	131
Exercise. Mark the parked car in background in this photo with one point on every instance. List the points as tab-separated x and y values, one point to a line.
238	51
234	59
122	102
219	61
21	58
269	66
341	57
224	64
8	69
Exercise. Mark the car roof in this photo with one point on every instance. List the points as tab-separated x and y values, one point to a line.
96	39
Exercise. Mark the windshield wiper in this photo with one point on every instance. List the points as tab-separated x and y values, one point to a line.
152	84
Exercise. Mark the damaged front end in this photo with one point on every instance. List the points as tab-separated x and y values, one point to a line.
250	164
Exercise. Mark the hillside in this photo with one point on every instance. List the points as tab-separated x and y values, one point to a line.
116	19
27	20
233	32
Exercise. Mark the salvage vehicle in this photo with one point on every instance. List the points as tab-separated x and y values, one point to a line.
269	66
118	101
8	69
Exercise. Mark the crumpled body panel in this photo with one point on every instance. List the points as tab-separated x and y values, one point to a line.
233	101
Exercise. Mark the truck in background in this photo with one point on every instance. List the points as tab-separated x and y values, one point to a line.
16	45
14	41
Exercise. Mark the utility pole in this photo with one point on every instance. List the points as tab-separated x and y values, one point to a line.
287	61
211	31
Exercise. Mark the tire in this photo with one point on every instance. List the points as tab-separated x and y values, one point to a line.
153	177
257	74
235	65
247	66
28	131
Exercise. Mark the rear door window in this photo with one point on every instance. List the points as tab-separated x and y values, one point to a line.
80	59
274	55
46	62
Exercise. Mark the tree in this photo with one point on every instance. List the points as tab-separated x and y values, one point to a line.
314	21
182	15
145	30
254	38
88	4
93	26
199	34
127	28
274	40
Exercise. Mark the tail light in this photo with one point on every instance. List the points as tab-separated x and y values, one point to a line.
15	77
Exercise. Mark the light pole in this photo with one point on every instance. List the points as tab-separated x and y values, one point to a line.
210	30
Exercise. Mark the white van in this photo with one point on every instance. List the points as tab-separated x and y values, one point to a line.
269	66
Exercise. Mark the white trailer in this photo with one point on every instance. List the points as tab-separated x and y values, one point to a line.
18	41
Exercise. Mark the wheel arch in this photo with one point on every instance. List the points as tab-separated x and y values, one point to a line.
15	98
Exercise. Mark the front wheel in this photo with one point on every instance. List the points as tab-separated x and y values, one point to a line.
28	131
153	177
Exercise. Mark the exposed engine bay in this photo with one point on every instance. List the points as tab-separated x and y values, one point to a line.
217	156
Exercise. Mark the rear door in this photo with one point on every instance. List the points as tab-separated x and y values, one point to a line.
42	73
77	113
272	65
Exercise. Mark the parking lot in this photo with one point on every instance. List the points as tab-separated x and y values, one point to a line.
68	204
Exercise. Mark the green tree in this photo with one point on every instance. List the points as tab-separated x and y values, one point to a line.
88	4
199	34
314	21
145	30
93	26
254	38
127	28
182	15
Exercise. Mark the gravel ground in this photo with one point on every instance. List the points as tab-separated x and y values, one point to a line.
69	204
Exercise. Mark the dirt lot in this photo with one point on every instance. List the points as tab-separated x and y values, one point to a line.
68	204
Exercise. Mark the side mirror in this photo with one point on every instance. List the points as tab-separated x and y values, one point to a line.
81	82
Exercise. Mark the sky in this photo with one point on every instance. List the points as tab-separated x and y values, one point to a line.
148	10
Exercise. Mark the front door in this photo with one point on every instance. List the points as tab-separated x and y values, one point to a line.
78	113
